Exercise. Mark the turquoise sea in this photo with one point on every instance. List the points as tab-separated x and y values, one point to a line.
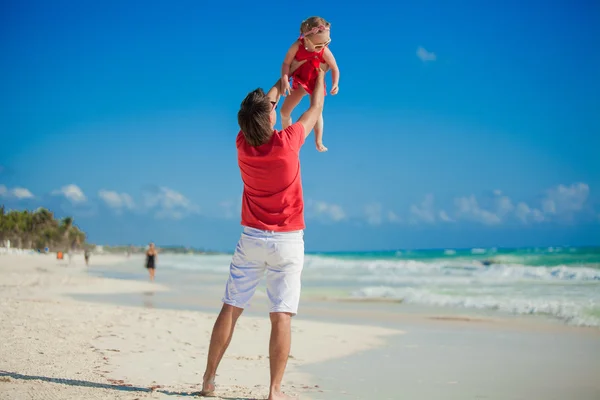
560	282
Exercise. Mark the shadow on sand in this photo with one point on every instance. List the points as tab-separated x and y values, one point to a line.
121	387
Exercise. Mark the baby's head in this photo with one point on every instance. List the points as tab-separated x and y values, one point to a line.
315	31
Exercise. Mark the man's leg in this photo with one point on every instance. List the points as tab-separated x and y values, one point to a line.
245	271
219	341
279	350
284	273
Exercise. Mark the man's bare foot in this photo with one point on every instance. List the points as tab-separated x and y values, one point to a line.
280	396
208	387
321	148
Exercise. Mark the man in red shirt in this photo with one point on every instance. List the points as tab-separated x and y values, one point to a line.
272	240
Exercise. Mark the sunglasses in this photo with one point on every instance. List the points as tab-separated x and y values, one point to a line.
318	46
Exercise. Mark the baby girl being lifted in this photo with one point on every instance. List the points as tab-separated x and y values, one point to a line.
312	50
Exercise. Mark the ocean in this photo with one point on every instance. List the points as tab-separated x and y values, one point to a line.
558	282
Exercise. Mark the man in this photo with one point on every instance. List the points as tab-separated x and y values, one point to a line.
273	225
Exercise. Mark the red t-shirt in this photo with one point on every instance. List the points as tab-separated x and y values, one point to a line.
272	198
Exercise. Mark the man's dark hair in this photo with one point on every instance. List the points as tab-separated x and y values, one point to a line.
254	118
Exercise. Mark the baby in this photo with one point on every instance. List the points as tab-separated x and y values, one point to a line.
312	48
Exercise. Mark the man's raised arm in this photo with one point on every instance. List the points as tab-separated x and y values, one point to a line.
275	92
311	116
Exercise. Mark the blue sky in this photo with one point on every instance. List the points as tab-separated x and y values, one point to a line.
456	125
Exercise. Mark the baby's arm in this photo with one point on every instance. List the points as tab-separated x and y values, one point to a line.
335	72
287	62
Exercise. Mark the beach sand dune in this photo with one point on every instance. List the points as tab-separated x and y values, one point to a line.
54	347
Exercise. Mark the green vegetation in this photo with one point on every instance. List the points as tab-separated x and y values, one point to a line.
39	229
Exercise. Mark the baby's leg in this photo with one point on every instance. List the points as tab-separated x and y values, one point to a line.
319	134
289	104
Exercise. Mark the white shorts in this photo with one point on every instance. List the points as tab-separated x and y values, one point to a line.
281	255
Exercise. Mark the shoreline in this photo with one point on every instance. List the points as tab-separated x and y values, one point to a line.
201	291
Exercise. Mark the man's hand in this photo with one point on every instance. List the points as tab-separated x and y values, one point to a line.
334	90
275	92
320	77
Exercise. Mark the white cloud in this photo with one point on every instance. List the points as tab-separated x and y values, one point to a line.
425	55
22	193
116	200
169	203
522	211
374	213
445	217
18	192
231	209
71	192
526	214
504	206
393	217
564	201
468	208
559	202
423	212
327	211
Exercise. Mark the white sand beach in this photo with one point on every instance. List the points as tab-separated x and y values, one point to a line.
67	333
55	347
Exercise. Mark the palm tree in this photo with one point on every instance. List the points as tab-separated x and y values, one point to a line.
3	230
40	229
76	237
66	224
26	227
13	227
42	217
65	228
45	227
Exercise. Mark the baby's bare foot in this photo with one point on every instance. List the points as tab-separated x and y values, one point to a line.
320	147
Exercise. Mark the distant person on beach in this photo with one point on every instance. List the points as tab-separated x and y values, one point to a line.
151	257
86	255
272	239
70	252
